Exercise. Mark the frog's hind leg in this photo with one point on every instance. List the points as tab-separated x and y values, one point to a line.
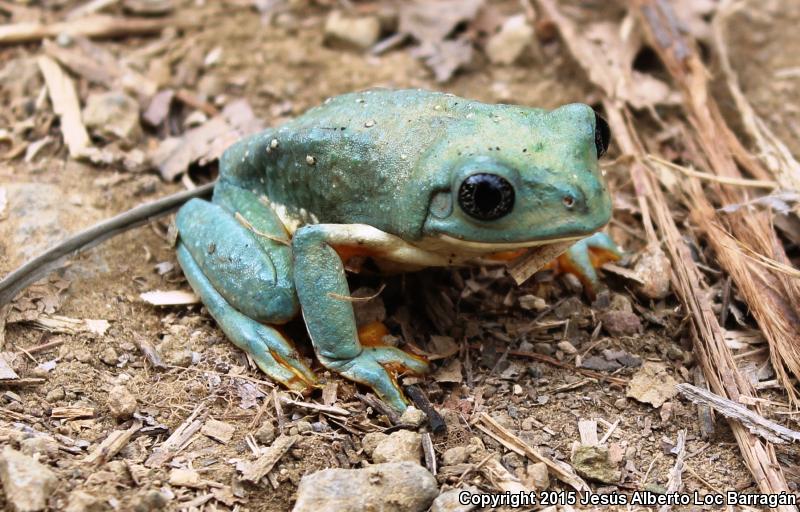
233	258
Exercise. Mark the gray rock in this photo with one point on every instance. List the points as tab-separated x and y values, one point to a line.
110	356
412	416
620	323
402	445
455	455
121	402
391	487
449	502
537	476
357	33
371	441
26	482
43	445
149	501
54	395
265	433
113	115
600	364
81	501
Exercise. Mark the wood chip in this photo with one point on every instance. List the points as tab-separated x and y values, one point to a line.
560	470
112	444
324	409
158	108
218	430
525	266
170	298
588	432
72	412
65	104
258	469
66	325
177	441
6	372
676	474
754	422
184	477
430	454
206	142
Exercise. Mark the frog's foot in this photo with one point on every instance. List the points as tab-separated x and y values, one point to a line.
584	257
240	278
378	367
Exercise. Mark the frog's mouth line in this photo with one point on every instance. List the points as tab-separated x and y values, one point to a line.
489	247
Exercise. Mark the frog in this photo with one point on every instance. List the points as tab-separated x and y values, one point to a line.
408	178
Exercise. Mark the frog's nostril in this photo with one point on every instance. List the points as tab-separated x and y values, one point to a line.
568	200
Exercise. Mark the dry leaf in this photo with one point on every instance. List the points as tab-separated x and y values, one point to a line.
652	384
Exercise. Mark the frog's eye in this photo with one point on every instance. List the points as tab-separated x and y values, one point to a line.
602	135
486	196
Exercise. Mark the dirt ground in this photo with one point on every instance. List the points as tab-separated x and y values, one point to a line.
477	320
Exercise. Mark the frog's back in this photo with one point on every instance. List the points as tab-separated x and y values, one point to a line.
357	158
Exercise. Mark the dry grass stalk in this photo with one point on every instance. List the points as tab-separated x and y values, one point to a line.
713	354
89	26
772	296
517	445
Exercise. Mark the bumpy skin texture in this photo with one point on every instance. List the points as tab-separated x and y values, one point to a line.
376	174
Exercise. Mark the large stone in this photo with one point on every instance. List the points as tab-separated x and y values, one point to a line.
27	483
357	33
507	45
402	445
391	487
113	115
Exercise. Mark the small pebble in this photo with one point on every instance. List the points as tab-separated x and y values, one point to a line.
455	455
82	355
412	416
121	402
54	395
265	433
371	440
537	476
110	356
403	445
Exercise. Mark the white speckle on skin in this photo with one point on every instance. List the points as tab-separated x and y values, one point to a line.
370	123
273	143
310	160
437	107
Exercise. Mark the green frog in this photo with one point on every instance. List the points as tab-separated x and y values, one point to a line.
407	178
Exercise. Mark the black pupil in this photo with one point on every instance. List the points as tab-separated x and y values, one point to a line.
486	196
602	135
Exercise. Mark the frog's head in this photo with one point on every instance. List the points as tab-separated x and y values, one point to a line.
520	178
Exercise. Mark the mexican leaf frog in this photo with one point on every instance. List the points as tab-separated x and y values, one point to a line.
409	178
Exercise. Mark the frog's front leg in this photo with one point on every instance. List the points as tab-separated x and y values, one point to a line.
583	257
323	291
235	254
